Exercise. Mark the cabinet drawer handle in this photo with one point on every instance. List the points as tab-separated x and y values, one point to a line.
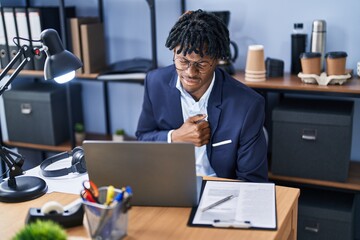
25	108
309	134
312	229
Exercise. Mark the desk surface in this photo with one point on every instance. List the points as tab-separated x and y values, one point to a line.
163	222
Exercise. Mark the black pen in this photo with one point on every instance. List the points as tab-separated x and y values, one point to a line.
217	203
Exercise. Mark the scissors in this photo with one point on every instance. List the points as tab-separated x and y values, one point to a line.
90	192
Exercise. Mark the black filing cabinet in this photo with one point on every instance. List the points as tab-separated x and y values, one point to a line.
325	215
38	112
312	138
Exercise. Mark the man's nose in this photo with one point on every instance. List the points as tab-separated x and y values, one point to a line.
192	70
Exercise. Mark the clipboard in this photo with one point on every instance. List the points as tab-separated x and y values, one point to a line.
242	191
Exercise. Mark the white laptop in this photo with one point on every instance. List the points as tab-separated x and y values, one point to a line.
159	173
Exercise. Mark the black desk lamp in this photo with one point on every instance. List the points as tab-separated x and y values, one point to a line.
60	65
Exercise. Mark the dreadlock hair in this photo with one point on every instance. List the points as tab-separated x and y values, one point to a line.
199	31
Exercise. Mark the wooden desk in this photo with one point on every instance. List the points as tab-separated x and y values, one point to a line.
163	222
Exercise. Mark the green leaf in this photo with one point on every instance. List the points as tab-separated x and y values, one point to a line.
120	132
79	127
41	230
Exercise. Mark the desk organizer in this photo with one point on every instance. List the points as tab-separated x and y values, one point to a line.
323	79
105	222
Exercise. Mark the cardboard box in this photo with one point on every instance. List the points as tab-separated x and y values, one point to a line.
93	47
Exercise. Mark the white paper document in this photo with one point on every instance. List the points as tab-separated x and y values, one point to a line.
71	183
246	205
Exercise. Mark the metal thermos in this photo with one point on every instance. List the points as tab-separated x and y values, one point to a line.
318	39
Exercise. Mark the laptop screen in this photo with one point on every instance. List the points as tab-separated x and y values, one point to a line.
159	173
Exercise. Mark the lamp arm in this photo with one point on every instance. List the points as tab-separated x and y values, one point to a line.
28	54
14	164
13	160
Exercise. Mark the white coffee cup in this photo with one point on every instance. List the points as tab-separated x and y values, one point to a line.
358	69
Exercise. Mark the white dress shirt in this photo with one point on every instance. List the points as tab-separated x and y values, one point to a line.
191	108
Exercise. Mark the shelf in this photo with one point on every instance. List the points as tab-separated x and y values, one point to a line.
129	77
292	83
34	73
58	148
66	146
352	183
288	83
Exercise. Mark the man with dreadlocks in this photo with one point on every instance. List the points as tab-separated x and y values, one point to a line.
194	101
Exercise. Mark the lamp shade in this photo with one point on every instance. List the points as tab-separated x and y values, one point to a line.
59	61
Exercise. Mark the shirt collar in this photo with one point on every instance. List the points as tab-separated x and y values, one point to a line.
204	98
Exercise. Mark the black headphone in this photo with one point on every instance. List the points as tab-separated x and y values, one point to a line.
77	163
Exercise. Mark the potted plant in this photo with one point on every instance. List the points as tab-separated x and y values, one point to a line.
118	135
41	230
79	132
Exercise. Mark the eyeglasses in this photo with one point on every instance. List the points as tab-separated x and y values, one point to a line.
183	64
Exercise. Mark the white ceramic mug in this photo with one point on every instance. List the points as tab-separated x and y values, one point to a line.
358	69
